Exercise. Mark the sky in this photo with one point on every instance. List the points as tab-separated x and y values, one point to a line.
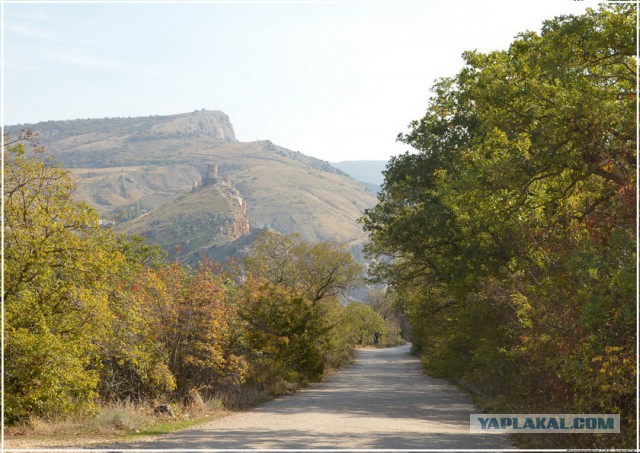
337	80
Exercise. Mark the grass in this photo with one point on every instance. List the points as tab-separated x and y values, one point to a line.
168	426
112	423
126	421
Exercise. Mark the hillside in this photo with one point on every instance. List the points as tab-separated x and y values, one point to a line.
110	142
207	218
140	172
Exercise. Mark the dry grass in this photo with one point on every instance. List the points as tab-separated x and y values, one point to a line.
244	398
114	422
126	421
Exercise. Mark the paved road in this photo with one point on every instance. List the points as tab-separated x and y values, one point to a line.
381	401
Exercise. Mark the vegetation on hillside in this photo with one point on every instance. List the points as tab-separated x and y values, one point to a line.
511	231
95	317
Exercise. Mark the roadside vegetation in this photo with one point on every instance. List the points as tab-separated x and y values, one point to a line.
509	233
98	323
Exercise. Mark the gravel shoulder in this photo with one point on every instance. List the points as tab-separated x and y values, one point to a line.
383	401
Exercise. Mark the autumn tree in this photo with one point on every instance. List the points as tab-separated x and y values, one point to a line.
59	266
76	329
193	323
133	363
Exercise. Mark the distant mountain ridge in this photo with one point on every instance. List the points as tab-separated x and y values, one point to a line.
213	123
110	142
366	171
363	170
146	175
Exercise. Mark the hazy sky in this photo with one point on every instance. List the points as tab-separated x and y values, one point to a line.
334	80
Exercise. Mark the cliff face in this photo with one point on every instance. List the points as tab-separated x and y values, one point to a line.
209	123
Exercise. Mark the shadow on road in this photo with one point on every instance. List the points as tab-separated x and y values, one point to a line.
302	439
383	401
383	383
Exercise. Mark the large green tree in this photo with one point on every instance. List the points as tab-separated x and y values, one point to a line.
510	233
59	266
291	302
316	271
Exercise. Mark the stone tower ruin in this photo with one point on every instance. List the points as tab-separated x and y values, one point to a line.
211	176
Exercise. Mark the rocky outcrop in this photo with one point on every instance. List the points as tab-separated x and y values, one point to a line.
210	123
206	218
239	225
217	124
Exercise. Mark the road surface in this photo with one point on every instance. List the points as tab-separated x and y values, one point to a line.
382	401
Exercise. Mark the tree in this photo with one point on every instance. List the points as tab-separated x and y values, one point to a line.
75	327
386	304
316	271
290	303
364	324
510	233
194	323
284	335
133	363
59	265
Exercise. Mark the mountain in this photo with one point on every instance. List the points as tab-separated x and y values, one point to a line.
366	171
146	175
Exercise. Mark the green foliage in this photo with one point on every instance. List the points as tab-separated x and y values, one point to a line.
511	231
133	363
387	304
59	265
46	374
364	324
290	305
316	271
91	315
284	333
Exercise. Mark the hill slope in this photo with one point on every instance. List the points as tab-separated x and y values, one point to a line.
140	172
207	218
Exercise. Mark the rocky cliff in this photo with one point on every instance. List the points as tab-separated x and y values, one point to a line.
209	123
206	218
